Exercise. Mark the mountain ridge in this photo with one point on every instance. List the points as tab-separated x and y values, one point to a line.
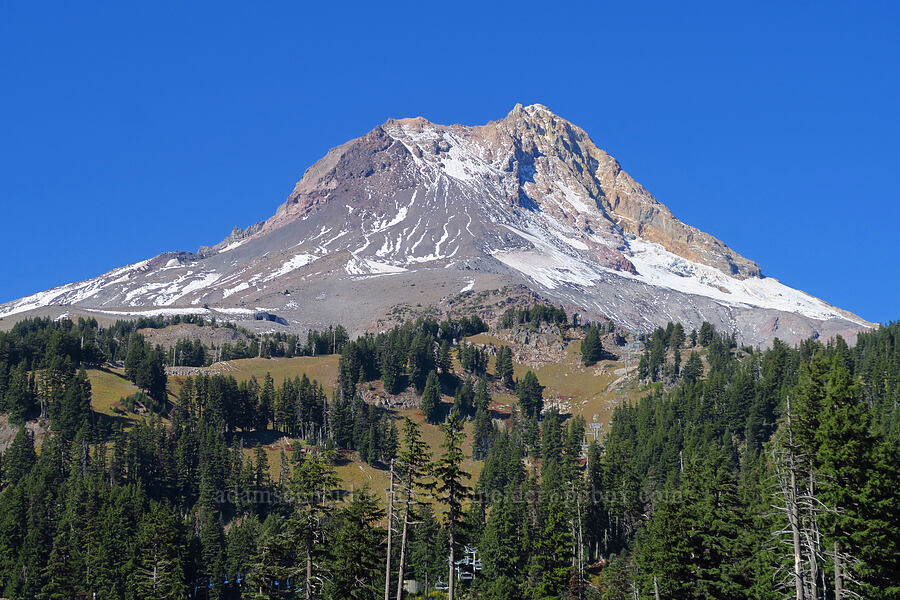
528	199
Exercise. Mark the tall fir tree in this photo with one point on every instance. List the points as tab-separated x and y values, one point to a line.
431	399
451	489
531	394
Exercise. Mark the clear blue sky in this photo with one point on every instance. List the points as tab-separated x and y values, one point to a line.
126	132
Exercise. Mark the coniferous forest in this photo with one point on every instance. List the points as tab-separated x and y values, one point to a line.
739	473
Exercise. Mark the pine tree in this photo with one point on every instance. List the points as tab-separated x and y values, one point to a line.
482	398
504	366
644	366
502	543
159	572
483	435
73	411
845	460
265	403
431	399
693	369
313	481
551	563
421	359
389	441
261	477
696	544
19	458
354	558
412	467
591	347
450	487
444	362
278	558
464	399
531	394
19	399
151	375
134	356
393	357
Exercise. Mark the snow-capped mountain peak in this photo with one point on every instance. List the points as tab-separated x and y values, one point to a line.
525	200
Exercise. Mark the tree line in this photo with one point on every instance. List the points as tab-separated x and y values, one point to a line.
765	473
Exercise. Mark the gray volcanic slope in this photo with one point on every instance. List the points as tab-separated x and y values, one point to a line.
414	213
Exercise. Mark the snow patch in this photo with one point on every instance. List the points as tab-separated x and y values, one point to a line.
657	266
365	266
232	246
234	290
293	263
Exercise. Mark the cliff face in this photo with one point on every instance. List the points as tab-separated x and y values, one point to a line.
413	213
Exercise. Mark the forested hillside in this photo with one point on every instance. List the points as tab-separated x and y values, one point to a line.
739	473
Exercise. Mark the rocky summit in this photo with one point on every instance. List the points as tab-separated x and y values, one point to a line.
413	216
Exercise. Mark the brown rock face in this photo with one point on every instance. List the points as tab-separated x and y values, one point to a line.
567	154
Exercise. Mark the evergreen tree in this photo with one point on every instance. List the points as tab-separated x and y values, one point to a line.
676	337
591	347
504	366
846	461
502	544
482	399
551	563
644	366
464	400
483	434
134	356
355	554
311	486
421	359
73	410
450	487
19	458
431	399
265	403
531	394
151	376
159	572
444	361
693	369
19	399
412	467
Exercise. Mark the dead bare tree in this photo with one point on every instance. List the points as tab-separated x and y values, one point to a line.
785	461
390	528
